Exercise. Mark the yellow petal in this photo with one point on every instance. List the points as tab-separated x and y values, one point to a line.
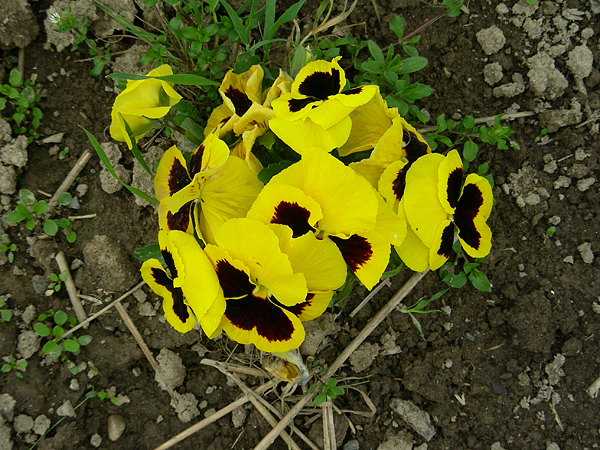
257	246
220	116
442	245
314	306
347	200
371	172
450	181
412	251
473	209
389	224
369	122
301	135
392	183
319	79
243	149
171	175
421	202
281	85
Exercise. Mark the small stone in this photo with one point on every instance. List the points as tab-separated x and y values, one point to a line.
23	423
550	167
585	183
524	8
351	445
562	182
96	440
41	425
7	406
76	264
502	8
492	73
116	426
552	446
170	372
8	180
81	189
580	62
146	309
448	363
54	139
66	409
585	250
554	220
209	412
363	356
496	446
491	39
74	385
419	420
28	344
110	184
238	416
578	171
580	154
29	314
470	337
569	259
15	153
185	406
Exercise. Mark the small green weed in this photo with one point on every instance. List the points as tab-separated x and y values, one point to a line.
5	314
13	364
17	98
101	395
29	209
330	389
8	248
57	280
54	346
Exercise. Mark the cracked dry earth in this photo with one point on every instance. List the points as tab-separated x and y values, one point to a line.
510	369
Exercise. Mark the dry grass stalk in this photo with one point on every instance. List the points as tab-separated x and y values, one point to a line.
216	416
372	294
71	289
391	305
103	310
136	335
68	181
265	406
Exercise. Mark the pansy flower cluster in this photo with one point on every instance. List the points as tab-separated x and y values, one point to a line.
256	260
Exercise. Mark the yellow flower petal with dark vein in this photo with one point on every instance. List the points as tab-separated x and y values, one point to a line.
392	183
171	175
473	209
441	247
257	246
450	181
320	79
421	201
314	306
286	205
240	91
347	200
178	314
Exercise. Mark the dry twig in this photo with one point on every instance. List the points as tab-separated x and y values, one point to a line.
68	181
71	289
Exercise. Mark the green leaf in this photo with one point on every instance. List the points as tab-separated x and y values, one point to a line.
480	281
71	237
319	399
397	26
49	347
375	51
41	329
441	123
332	382
338	390
60	317
40	207
273	169
470	150
107	164
151	251
289	15
412	64
30	224
238	26
6	368
482	169
455	280
84	340
15	78
58	331
64	198
14	217
64	223
6	315
71	345
91	394
184	79
50	227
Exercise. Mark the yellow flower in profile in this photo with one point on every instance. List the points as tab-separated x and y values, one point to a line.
190	273
141	104
438	202
316	113
246	110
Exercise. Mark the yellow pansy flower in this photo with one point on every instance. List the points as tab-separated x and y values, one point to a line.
141	104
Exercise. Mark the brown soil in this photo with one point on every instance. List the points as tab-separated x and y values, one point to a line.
482	372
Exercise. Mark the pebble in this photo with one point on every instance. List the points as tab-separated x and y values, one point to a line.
74	385
40	283
419	420
351	445
54	139
116	426
41	425
569	260
96	440
7	406
23	423
585	250
585	183
554	220
66	409
470	336
562	182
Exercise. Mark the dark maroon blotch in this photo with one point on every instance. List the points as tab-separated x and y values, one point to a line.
455	181
466	210
240	100
294	216
178	177
356	250
196	161
253	312
179	307
234	282
181	219
447	241
321	84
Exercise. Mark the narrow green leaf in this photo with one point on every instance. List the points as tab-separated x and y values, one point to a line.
184	79
107	164
412	64
375	51
286	17
241	31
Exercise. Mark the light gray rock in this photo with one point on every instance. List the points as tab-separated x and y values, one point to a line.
5	131
238	416
96	440
170	372
585	250
7	406
524	8
585	183
419	420
15	153
109	262
511	89
79	10
363	356
581	61
18	27
112	151
552	120
116	426
492	73
6	442
491	39
8	180
400	441
66	409
316	332
23	423
28	344
185	406
545	80
352	444
110	184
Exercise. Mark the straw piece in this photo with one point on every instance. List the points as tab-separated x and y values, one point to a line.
71	289
103	310
214	417
68	181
